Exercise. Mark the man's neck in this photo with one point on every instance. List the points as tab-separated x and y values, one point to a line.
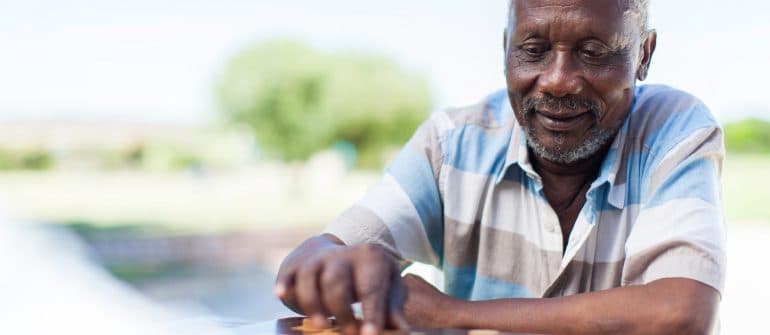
565	186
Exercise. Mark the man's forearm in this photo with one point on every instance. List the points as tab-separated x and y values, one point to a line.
669	306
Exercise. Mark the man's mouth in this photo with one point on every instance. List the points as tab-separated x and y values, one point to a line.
560	122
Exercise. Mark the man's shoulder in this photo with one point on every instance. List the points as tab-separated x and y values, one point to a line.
662	115
664	98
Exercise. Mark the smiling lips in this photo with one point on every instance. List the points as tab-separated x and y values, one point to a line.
560	123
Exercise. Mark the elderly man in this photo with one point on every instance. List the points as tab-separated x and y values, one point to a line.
573	185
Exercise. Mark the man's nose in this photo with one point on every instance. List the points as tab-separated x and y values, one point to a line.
560	76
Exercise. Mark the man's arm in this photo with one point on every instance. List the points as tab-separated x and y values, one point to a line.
665	306
357	259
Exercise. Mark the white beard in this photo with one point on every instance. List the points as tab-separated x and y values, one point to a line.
598	138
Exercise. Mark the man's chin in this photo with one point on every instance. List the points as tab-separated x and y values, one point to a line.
556	151
555	155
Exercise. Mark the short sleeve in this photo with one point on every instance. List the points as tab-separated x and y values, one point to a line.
679	232
403	211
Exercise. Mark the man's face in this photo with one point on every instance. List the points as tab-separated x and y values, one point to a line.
571	67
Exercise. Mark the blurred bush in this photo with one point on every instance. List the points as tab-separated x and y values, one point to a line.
161	148
748	136
298	100
35	159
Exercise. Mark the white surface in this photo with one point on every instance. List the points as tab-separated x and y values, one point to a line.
48	287
744	304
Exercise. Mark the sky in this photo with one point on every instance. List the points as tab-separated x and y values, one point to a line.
158	60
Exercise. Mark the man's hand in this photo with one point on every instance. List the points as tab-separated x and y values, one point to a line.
323	277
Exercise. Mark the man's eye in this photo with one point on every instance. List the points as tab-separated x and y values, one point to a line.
593	52
533	50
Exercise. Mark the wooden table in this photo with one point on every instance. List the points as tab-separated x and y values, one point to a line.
288	326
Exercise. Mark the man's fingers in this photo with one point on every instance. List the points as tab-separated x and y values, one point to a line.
396	300
337	294
372	284
306	290
397	321
373	308
284	284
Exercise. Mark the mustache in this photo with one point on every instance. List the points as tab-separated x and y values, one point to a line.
569	102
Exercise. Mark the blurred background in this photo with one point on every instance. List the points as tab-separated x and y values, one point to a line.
184	147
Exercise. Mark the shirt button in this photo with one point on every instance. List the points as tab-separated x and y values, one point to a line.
550	228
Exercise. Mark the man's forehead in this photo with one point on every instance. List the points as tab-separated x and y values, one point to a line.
601	10
601	18
619	5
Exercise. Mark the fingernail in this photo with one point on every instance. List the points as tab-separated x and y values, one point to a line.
279	290
369	329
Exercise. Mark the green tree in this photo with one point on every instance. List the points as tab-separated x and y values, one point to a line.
26	159
748	136
299	100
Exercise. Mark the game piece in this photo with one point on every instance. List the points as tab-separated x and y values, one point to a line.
483	332
307	327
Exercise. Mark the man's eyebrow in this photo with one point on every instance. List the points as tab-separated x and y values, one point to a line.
619	40
528	35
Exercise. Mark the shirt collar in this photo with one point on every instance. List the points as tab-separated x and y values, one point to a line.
518	155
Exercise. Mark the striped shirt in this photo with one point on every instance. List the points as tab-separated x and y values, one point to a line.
462	195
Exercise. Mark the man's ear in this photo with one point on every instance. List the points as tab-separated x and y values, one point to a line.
648	49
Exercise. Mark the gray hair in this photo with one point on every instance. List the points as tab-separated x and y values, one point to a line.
639	9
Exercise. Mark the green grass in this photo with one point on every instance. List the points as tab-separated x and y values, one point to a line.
746	187
265	198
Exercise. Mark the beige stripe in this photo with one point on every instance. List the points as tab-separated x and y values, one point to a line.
705	143
465	194
461	243
359	225
680	238
689	219
388	201
515	209
582	277
609	238
500	255
478	114
426	141
508	256
675	259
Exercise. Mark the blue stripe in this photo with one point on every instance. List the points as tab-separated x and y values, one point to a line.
500	107
488	288
472	149
641	164
679	126
606	168
696	178
465	283
414	173
699	179
636	178
459	282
